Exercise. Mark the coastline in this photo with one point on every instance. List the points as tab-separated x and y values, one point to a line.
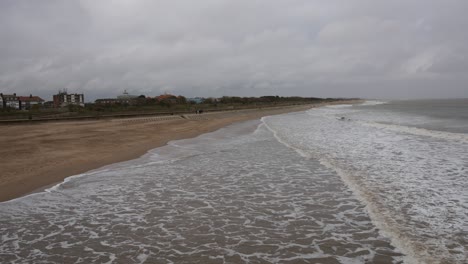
37	156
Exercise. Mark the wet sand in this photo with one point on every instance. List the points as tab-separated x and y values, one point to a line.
34	156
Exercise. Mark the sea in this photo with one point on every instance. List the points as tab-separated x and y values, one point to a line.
377	182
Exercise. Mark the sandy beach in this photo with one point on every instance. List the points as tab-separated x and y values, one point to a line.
34	156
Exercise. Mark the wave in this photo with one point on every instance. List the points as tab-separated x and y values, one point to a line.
405	176
379	218
374	102
459	137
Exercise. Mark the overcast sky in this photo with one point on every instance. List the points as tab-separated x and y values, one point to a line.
348	48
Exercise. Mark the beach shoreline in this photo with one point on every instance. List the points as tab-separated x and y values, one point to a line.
38	156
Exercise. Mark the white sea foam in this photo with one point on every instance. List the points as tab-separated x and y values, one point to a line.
413	180
374	102
457	137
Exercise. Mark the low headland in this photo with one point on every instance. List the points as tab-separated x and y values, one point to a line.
35	155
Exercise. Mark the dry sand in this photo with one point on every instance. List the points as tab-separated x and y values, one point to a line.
33	156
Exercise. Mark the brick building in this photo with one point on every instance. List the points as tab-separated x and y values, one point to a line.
63	99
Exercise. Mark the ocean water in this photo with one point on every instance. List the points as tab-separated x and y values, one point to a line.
383	185
407	161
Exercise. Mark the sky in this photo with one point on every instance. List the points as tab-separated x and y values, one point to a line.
399	49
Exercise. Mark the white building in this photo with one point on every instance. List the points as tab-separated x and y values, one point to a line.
10	101
126	96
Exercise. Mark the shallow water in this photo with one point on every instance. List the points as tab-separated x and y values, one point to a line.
237	195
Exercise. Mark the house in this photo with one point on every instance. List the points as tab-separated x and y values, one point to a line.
167	98
10	101
27	102
63	99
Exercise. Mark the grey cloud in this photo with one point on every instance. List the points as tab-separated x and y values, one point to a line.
362	48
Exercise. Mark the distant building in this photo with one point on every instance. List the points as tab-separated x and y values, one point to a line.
112	101
63	99
48	104
10	101
197	100
26	102
107	101
168	98
124	98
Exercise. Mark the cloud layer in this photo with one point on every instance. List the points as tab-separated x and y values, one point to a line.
361	48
